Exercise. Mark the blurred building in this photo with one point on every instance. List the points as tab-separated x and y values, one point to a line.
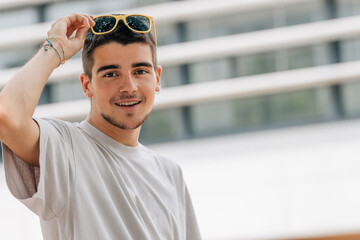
230	66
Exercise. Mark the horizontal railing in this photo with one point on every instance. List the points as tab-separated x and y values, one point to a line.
165	13
9	4
226	89
233	45
202	50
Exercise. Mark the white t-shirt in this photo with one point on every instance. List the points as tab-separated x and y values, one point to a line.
89	186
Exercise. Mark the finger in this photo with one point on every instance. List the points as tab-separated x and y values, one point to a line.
81	32
76	24
90	20
75	18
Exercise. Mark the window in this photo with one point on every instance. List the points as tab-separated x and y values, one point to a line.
66	91
229	24
211	70
17	18
283	109
301	13
350	49
163	125
256	64
351	98
348	7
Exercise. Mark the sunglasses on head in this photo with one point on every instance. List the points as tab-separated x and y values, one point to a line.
136	22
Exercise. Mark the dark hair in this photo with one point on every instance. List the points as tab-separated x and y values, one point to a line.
123	35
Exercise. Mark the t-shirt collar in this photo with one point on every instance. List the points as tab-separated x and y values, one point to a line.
107	141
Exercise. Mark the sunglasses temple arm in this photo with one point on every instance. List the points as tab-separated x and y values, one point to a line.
153	21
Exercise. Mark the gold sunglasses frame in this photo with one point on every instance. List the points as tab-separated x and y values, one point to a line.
123	18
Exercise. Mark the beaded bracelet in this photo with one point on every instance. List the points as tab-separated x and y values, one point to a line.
49	44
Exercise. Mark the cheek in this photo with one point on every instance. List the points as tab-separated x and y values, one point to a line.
150	90
102	93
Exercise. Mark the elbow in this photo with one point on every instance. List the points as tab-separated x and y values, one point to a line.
3	115
7	124
4	121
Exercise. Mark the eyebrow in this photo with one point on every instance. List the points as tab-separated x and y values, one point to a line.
106	67
142	64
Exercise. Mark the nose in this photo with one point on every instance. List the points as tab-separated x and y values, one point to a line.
129	84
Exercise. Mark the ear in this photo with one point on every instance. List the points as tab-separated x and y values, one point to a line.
158	77
86	85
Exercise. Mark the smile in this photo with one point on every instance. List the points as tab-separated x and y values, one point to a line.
127	104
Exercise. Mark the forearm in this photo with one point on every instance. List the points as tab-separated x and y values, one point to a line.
22	93
20	96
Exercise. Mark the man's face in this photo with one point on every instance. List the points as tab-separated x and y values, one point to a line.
123	84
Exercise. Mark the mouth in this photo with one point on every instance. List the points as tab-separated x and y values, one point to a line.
128	104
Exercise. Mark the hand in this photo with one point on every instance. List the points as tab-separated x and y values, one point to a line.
63	28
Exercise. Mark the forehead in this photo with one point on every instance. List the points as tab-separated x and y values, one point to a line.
123	55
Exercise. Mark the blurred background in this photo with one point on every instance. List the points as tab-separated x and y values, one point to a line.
259	105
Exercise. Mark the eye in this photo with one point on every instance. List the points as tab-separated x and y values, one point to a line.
110	75
141	72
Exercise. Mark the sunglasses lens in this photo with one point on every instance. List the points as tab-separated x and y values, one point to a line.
104	24
138	23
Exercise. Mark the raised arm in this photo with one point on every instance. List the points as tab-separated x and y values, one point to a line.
20	96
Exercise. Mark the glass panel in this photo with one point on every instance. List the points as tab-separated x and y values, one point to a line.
212	118
148	2
250	112
167	34
163	125
282	60
300	57
211	70
305	12
351	98
323	54
229	24
263	111
17	18
256	64
56	10
17	57
350	49
300	106
172	76
348	7
66	91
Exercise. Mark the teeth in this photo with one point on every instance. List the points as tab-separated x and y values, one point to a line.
126	103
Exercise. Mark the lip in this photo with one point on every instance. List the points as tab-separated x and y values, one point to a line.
130	107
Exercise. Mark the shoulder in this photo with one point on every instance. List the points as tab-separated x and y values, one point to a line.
169	167
56	125
163	160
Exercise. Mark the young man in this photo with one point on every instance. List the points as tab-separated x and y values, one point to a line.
93	180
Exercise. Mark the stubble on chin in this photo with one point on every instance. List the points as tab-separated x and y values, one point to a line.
121	124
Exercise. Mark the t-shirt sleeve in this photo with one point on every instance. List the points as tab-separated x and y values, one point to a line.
43	190
192	228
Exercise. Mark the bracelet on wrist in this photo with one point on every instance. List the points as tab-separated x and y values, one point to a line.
49	44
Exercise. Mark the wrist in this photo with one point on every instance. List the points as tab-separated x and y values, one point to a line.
50	57
54	45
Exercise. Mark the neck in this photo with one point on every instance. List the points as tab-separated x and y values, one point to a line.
127	137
